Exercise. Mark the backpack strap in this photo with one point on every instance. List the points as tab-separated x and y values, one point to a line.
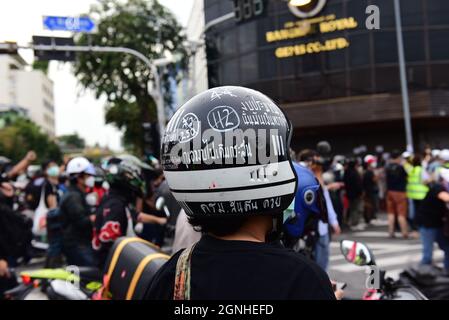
182	277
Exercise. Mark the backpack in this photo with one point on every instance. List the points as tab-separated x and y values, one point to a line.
15	232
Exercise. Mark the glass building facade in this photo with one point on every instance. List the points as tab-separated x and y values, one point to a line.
336	79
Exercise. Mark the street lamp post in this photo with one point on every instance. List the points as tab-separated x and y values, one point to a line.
404	87
152	66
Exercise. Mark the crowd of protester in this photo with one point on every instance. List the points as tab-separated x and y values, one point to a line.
411	188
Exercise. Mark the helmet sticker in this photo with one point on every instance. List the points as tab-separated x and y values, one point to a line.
309	197
223	118
217	93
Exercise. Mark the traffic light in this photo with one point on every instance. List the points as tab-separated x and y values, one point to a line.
8	48
44	55
151	139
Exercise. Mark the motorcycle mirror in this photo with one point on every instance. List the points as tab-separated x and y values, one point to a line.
160	203
356	253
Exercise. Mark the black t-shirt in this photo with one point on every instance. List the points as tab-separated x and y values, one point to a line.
369	185
353	184
243	270
34	189
396	177
431	210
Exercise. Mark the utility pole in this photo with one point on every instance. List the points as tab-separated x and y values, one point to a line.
404	86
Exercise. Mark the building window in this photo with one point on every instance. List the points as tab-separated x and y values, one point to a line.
437	12
439	45
385	47
414	46
412	12
359	50
230	72
249	68
386	11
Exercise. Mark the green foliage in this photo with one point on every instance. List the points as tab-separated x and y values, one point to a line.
17	138
142	25
73	141
41	65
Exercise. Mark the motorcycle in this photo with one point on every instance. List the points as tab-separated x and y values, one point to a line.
431	280
63	284
383	287
57	284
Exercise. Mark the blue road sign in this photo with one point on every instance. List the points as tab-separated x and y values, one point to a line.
74	24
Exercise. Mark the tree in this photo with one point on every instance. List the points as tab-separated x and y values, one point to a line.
147	27
17	138
41	65
73	141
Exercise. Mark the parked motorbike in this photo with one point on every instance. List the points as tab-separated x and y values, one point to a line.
131	264
57	284
430	280
359	254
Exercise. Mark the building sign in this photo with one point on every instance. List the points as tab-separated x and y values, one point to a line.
312	47
306	8
303	28
245	10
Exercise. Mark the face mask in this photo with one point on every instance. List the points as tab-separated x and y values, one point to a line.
89	182
53	171
91	199
105	185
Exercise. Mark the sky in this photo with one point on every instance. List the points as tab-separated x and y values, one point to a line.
76	111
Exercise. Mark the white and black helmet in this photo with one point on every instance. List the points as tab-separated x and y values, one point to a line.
226	152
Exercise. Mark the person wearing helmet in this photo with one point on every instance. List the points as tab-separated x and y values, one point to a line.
98	190
75	214
115	212
225	155
444	163
329	217
303	215
432	219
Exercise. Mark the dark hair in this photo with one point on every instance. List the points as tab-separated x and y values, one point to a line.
46	163
351	163
218	226
307	155
395	154
417	159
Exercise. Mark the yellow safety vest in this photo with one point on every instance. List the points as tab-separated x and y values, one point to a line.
416	190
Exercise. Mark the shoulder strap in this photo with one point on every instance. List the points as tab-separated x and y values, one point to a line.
182	277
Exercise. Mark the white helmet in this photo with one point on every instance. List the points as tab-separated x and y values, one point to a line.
406	154
369	159
444	155
444	174
80	165
436	153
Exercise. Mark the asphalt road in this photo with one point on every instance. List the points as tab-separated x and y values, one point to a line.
392	255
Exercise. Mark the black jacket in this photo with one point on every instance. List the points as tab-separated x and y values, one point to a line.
111	223
75	216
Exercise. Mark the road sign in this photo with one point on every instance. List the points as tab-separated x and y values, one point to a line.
45	55
8	48
73	24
